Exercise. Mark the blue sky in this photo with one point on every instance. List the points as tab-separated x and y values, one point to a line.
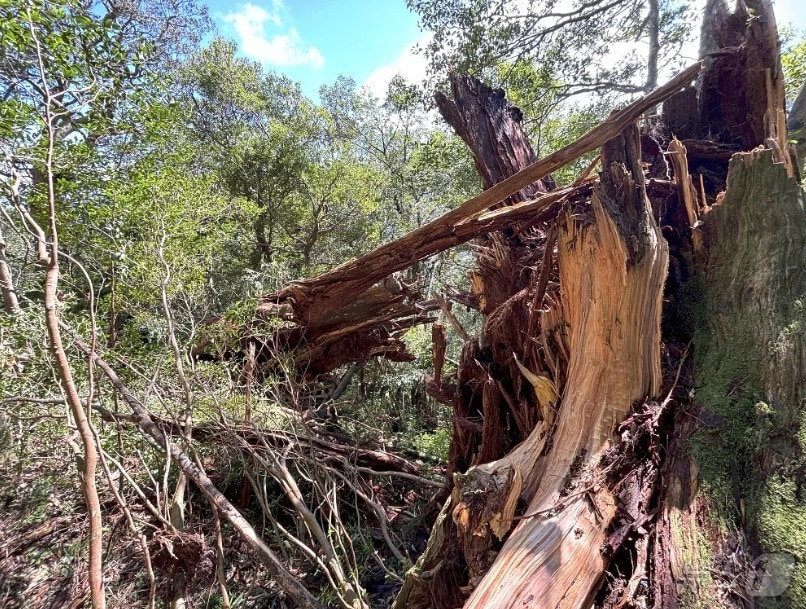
314	41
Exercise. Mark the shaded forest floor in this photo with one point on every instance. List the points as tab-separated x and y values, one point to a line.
43	532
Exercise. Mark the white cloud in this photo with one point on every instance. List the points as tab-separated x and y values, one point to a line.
281	49
409	65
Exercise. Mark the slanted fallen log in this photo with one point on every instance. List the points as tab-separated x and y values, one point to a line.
354	312
319	297
372	323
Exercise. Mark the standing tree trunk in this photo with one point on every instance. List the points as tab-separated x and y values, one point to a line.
11	304
736	495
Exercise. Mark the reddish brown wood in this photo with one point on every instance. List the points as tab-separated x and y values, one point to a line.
490	126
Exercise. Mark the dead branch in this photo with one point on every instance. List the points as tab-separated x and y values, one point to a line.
285	579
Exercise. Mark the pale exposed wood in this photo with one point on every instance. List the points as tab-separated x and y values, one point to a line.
775	124
612	273
613	311
686	190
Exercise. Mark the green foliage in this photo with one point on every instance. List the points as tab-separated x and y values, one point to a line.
575	46
295	161
793	61
436	445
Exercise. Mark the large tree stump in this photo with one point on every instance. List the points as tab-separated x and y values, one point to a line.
738	495
600	347
613	264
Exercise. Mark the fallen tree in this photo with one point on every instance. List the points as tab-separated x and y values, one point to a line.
359	310
571	483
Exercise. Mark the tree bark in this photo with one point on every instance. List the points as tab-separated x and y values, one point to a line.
86	463
734	496
490	127
11	304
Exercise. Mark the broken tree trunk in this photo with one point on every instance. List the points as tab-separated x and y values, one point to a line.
490	127
612	271
588	346
493	408
733	497
599	346
577	515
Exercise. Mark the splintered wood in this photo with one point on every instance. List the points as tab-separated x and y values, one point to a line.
685	189
612	267
612	311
